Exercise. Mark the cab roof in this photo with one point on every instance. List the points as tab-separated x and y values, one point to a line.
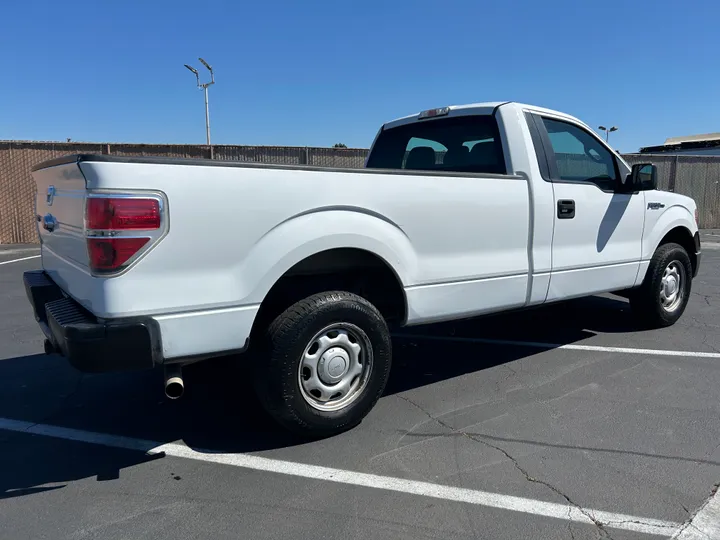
483	108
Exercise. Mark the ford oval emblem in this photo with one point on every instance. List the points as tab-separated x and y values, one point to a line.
50	195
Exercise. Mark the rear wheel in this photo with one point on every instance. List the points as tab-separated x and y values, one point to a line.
664	294
324	363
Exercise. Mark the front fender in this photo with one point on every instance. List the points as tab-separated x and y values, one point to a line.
674	216
302	236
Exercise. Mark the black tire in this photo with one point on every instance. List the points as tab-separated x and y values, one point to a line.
646	300
278	362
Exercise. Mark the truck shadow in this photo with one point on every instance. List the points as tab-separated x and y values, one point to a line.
221	414
611	219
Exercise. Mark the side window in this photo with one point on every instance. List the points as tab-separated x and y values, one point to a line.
579	156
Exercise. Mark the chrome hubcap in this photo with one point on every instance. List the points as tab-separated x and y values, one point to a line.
335	367
671	287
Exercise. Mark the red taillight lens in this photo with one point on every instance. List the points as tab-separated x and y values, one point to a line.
107	254
118	214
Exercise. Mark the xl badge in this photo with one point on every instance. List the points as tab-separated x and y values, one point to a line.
50	195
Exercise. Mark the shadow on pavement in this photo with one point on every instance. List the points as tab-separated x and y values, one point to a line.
221	414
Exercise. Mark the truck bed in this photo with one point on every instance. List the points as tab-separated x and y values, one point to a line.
457	242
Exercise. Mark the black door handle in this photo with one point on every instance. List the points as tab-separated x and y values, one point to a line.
566	209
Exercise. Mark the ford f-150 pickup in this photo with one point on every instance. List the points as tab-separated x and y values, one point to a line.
459	211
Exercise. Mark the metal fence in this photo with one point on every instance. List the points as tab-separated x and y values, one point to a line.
695	176
17	158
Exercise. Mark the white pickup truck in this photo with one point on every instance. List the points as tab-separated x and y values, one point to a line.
460	211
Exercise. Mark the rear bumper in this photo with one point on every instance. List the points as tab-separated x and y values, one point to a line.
90	345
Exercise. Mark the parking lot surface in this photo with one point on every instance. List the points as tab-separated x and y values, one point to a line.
565	421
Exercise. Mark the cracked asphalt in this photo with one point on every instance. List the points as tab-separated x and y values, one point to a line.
597	430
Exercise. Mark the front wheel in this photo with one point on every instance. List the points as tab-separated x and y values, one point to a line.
324	363
664	294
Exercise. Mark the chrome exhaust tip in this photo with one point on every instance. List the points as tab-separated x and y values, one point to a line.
174	385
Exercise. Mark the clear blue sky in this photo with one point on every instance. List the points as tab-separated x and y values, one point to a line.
317	73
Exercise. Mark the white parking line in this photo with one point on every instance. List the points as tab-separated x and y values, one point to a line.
388	483
18	260
568	346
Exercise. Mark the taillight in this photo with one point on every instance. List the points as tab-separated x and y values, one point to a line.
122	214
697	221
108	254
118	229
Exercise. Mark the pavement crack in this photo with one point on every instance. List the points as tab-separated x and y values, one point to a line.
640	522
705	297
709	455
569	525
599	524
688	524
476	438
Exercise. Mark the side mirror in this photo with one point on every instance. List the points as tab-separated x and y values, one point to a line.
643	177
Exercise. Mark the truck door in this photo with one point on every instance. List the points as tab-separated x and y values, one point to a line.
597	236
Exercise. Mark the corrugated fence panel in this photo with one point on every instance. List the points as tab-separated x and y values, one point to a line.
17	189
286	155
695	176
165	150
698	177
342	158
665	167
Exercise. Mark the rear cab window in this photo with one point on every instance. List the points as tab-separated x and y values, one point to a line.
468	143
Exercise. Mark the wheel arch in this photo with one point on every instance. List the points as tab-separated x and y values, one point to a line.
349	269
327	250
676	224
684	237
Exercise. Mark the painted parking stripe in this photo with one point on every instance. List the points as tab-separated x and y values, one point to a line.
18	260
569	346
388	483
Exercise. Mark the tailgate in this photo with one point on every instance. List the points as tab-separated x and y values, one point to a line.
89	235
60	209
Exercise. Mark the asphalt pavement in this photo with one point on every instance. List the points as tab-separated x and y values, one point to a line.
565	421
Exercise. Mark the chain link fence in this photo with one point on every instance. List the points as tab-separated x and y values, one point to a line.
695	176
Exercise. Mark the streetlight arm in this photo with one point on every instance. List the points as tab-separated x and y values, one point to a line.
195	71
210	69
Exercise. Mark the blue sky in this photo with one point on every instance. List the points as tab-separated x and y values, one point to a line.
316	73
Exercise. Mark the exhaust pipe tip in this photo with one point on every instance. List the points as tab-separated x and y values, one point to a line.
174	388
174	385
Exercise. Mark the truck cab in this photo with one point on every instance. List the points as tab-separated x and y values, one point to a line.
595	222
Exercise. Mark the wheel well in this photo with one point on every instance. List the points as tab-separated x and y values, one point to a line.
348	269
682	236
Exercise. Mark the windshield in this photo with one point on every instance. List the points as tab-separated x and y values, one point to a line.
460	144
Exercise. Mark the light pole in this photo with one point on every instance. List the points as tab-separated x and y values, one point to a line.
607	131
204	86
